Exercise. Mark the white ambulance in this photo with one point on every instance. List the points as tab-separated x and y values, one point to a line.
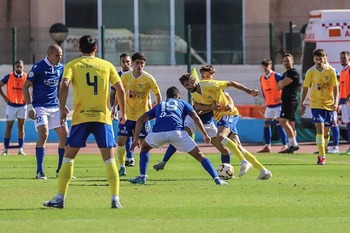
328	30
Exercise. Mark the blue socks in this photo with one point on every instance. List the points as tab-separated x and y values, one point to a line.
208	166
129	154
144	160
169	152
225	158
60	158
267	135
283	135
40	153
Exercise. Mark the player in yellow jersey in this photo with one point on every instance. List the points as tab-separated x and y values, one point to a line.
323	84
138	84
91	78
209	95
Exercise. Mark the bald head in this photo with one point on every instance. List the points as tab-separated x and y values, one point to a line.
54	54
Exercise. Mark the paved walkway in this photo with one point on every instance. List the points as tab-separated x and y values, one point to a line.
91	148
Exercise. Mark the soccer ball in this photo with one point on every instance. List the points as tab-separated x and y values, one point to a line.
225	171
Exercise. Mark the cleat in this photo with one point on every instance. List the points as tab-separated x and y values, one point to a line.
122	171
41	176
321	160
294	148
264	175
5	152
245	167
138	180
284	147
266	149
130	163
347	152
54	203
21	152
219	181
116	205
286	151
159	166
333	150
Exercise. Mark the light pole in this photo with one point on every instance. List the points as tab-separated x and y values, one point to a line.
58	32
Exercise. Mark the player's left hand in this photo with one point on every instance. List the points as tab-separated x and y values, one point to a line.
254	92
135	143
207	139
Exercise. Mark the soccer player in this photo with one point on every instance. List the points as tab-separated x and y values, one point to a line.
289	84
45	77
207	118
345	93
138	84
169	128
16	107
125	66
211	96
90	76
268	81
323	84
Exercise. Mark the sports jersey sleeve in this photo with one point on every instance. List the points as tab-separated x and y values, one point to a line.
115	78
68	72
152	113
307	81
334	78
278	77
221	84
5	79
154	86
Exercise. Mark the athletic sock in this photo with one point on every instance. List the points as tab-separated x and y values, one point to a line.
6	143
129	154
320	142
233	148
65	175
225	158
267	135
335	135
144	160
40	154
112	176
20	142
169	152
282	134
252	159
208	166
60	157
121	155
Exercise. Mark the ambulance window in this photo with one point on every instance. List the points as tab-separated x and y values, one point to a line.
307	57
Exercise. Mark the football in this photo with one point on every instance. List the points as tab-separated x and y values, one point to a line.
225	171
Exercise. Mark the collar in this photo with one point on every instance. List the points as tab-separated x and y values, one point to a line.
268	75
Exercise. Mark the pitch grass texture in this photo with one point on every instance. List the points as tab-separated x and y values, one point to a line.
300	197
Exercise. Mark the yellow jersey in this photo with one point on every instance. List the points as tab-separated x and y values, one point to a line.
321	84
91	78
213	91
137	91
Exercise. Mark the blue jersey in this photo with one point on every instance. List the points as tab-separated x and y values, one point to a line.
46	79
170	115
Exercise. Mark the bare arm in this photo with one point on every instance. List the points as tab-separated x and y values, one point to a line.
63	95
26	95
121	100
303	97
239	86
112	97
284	82
138	127
2	93
200	126
336	98
158	97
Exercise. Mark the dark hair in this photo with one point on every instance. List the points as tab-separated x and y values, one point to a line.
288	55
124	55
19	62
207	68
319	53
138	55
172	92
347	53
266	62
87	44
186	77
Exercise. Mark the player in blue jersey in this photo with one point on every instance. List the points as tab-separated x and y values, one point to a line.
169	129
44	78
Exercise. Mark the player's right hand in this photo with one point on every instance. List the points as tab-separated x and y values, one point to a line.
207	139
135	143
32	114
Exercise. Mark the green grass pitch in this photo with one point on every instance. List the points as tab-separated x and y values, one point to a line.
300	197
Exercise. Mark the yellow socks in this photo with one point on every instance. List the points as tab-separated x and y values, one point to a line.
121	155
65	175
320	142
252	159
231	145
112	176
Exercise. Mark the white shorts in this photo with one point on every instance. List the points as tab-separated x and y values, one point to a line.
209	128
345	113
180	139
273	113
13	113
47	116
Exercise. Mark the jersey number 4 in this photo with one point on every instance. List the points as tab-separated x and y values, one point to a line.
93	83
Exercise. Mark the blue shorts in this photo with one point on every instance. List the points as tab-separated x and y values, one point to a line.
128	129
322	116
103	134
229	122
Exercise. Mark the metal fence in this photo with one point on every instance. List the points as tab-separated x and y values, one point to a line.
241	46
